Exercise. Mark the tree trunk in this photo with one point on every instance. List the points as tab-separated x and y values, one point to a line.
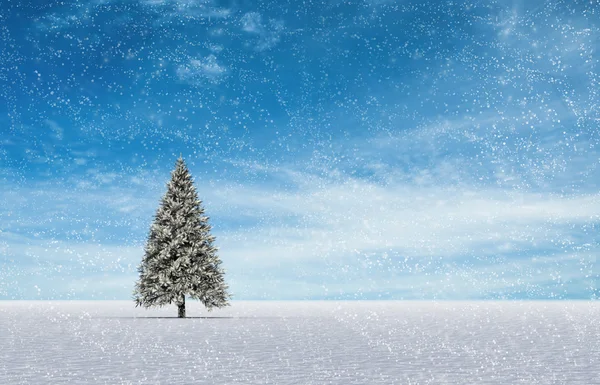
181	309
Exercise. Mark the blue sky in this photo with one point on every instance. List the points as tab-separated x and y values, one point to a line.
344	150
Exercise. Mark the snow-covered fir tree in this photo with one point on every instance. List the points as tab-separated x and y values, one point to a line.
180	258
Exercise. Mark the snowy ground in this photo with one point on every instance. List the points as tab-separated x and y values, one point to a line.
301	343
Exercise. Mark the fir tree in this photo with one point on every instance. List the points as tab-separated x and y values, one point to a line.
180	257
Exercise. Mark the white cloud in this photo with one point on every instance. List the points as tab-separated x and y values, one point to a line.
84	14
549	54
312	237
103	177
90	153
55	22
154	2
375	3
201	71
42	268
215	48
56	129
69	254
336	218
36	267
328	224
267	33
187	9
252	22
